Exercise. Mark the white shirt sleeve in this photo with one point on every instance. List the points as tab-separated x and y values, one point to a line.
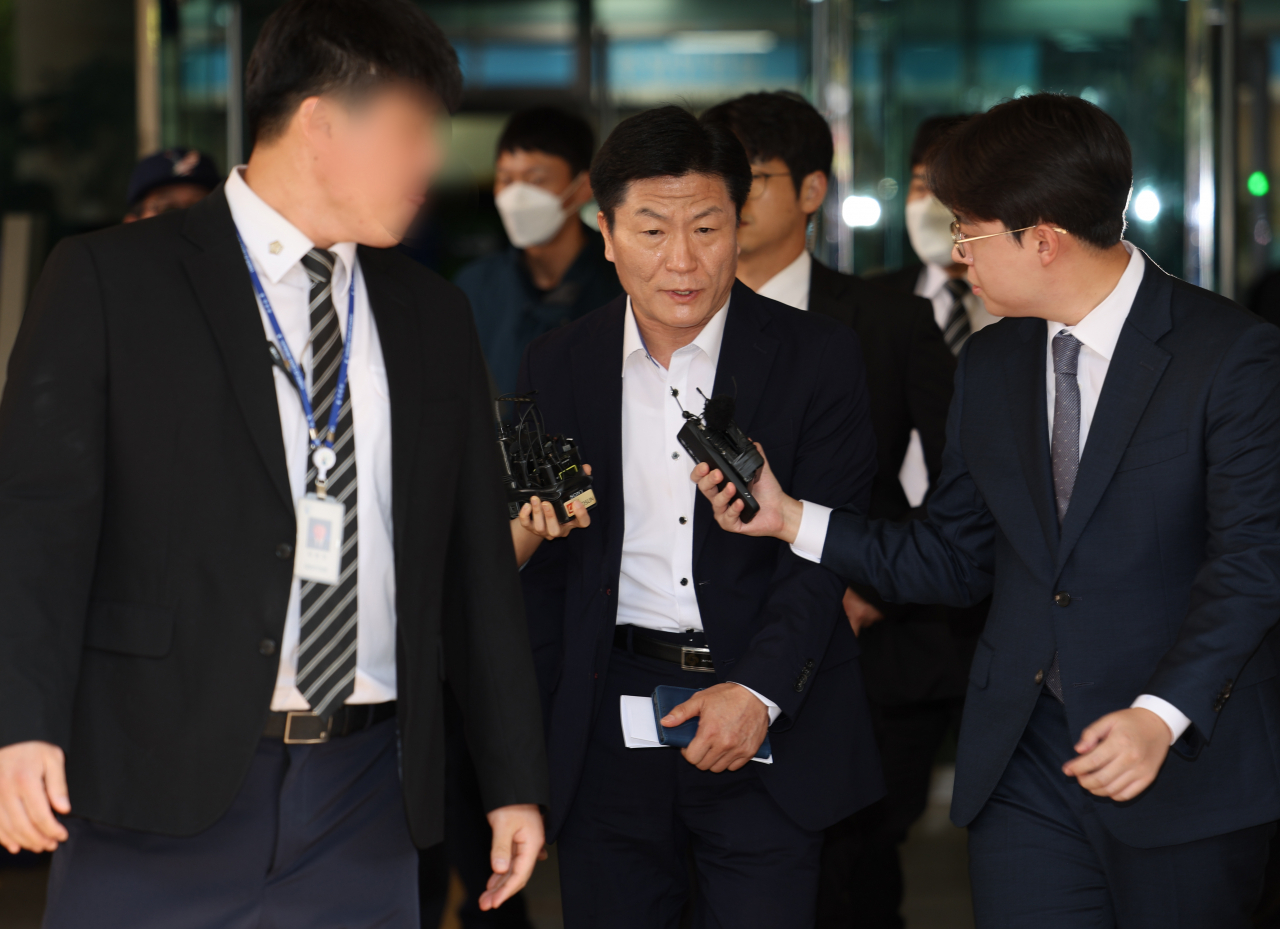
774	710
1172	716
812	535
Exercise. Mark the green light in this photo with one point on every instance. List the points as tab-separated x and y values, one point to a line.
1258	184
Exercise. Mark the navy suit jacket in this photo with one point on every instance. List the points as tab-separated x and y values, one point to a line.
1169	552
773	620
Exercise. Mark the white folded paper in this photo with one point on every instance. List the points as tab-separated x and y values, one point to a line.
640	728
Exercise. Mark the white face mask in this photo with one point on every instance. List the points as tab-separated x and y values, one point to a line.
532	215
929	228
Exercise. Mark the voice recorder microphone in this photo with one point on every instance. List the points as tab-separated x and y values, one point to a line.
716	439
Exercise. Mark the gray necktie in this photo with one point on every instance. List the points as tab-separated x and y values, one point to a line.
1065	448
957	329
327	633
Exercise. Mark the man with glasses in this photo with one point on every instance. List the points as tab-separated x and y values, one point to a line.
1110	475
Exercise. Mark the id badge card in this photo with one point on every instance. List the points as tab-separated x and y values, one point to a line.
318	554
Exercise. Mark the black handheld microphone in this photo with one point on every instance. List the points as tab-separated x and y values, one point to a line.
716	439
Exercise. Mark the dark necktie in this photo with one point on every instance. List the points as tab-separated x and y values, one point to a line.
1065	448
957	328
327	640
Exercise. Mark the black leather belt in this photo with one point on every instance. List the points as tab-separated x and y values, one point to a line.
302	727
688	657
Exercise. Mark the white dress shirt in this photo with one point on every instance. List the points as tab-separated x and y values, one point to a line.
791	284
656	588
1098	333
276	247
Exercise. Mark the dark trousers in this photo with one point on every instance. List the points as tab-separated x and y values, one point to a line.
861	882
316	839
639	814
1039	856
467	841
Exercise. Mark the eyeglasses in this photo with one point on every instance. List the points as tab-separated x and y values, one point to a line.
760	180
959	238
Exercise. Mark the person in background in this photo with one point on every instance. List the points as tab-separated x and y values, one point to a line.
1110	473
555	270
909	373
236	565
170	180
653	594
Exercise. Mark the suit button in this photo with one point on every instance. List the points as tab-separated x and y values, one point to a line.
1062	598
284	551
684	582
809	663
1040	677
267	647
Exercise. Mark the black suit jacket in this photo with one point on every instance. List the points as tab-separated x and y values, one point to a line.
903	280
1168	557
146	527
773	620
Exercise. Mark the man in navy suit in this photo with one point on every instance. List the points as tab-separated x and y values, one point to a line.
1110	476
651	595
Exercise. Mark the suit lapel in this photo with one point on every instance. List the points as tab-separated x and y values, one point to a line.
1132	377
1025	369
742	371
399	333
222	287
597	379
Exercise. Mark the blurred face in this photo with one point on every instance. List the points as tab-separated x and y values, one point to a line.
773	211
169	197
918	189
1005	273
674	245
550	172
376	158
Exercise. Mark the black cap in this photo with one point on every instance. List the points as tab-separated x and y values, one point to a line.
172	166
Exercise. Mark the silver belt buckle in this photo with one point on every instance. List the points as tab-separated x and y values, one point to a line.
311	732
691	659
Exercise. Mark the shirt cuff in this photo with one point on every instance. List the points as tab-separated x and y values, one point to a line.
1172	717
774	710
811	537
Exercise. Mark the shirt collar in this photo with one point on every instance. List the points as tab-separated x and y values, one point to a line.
791	283
1100	329
708	339
275	244
935	279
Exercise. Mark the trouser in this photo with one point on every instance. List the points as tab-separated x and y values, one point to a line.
316	838
1039	855
638	815
861	881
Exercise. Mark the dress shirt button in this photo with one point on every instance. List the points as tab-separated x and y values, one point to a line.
675	455
1062	598
684	582
267	647
284	551
683	520
1040	677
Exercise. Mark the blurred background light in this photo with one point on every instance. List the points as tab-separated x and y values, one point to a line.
1146	206
860	211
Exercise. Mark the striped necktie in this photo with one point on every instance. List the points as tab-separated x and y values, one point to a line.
327	639
957	329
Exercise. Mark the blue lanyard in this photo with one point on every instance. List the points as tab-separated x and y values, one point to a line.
295	369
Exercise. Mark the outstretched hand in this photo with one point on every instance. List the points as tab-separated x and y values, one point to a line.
518	844
779	514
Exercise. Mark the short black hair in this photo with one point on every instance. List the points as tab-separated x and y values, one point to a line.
782	125
930	133
310	47
667	142
1043	158
553	131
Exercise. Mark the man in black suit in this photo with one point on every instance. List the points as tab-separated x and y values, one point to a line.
908	659
1110	475
651	594
242	540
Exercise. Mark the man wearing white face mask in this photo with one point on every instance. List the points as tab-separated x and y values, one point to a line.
555	269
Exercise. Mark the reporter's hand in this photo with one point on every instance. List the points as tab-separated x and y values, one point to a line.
861	614
519	842
33	785
732	727
1120	754
779	514
537	521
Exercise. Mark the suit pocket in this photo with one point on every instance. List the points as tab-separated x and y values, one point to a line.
129	629
980	670
1153	451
